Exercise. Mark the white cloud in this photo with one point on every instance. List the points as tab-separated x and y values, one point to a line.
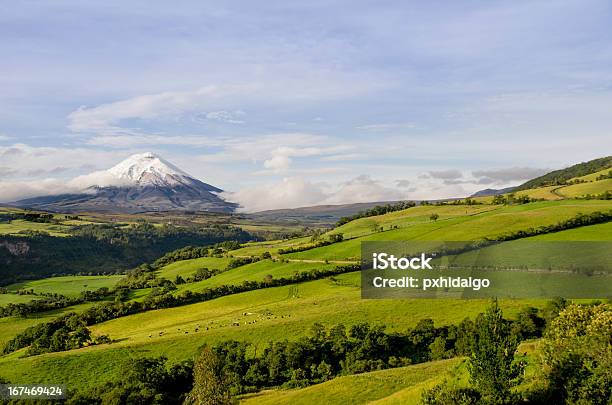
107	118
100	178
297	192
363	189
278	163
289	193
281	157
230	117
17	190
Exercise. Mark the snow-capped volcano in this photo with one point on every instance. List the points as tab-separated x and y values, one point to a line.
149	169
142	182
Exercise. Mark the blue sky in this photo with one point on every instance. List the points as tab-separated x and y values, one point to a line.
297	103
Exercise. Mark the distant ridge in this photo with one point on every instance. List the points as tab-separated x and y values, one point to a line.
559	177
492	191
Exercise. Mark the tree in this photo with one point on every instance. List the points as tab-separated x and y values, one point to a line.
438	348
209	387
577	356
491	366
336	237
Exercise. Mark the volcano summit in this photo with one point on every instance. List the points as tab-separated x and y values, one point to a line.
141	183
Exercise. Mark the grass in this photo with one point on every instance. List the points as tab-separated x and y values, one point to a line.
254	272
547	193
279	313
592	176
67	285
466	227
372	387
411	216
289	312
599	232
186	268
258	248
579	190
16	298
401	386
18	225
11	326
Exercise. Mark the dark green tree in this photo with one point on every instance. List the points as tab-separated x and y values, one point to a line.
492	369
209	387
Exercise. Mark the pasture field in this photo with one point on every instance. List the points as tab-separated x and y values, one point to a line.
70	286
258	248
582	189
411	216
547	193
288	312
278	313
398	386
463	228
18	225
598	232
16	298
373	387
11	326
254	272
186	268
593	176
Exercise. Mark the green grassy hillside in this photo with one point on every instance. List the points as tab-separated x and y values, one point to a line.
559	177
373	387
70	286
288	312
582	189
270	314
254	272
186	268
488	223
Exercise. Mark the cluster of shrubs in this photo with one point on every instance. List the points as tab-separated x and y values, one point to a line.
605	176
143	381
467	201
606	195
199	275
64	333
51	301
512	199
377	210
28	216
